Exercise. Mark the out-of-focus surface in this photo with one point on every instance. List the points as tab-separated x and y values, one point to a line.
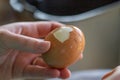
5	12
8	15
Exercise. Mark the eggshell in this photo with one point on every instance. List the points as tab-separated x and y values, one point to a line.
66	51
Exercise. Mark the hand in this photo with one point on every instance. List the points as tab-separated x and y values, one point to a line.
20	46
113	74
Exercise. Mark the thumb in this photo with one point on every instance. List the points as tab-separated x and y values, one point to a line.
24	43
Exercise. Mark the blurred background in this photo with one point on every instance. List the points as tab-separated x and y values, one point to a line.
101	26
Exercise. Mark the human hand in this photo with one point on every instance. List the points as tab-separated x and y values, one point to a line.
113	74
20	47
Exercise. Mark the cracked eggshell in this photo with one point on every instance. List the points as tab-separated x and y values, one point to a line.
67	45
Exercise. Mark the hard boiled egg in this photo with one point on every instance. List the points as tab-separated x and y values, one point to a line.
67	45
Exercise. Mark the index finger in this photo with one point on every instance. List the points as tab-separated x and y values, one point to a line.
45	27
33	29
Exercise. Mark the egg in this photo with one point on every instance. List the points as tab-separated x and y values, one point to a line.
67	46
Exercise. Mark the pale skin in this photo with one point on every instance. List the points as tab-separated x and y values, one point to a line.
20	46
113	74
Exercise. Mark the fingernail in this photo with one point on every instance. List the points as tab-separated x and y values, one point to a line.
44	46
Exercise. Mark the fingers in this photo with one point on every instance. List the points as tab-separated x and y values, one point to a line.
24	43
25	34
45	27
65	73
40	72
39	61
33	29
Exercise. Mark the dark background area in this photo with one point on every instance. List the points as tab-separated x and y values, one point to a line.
68	7
8	15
